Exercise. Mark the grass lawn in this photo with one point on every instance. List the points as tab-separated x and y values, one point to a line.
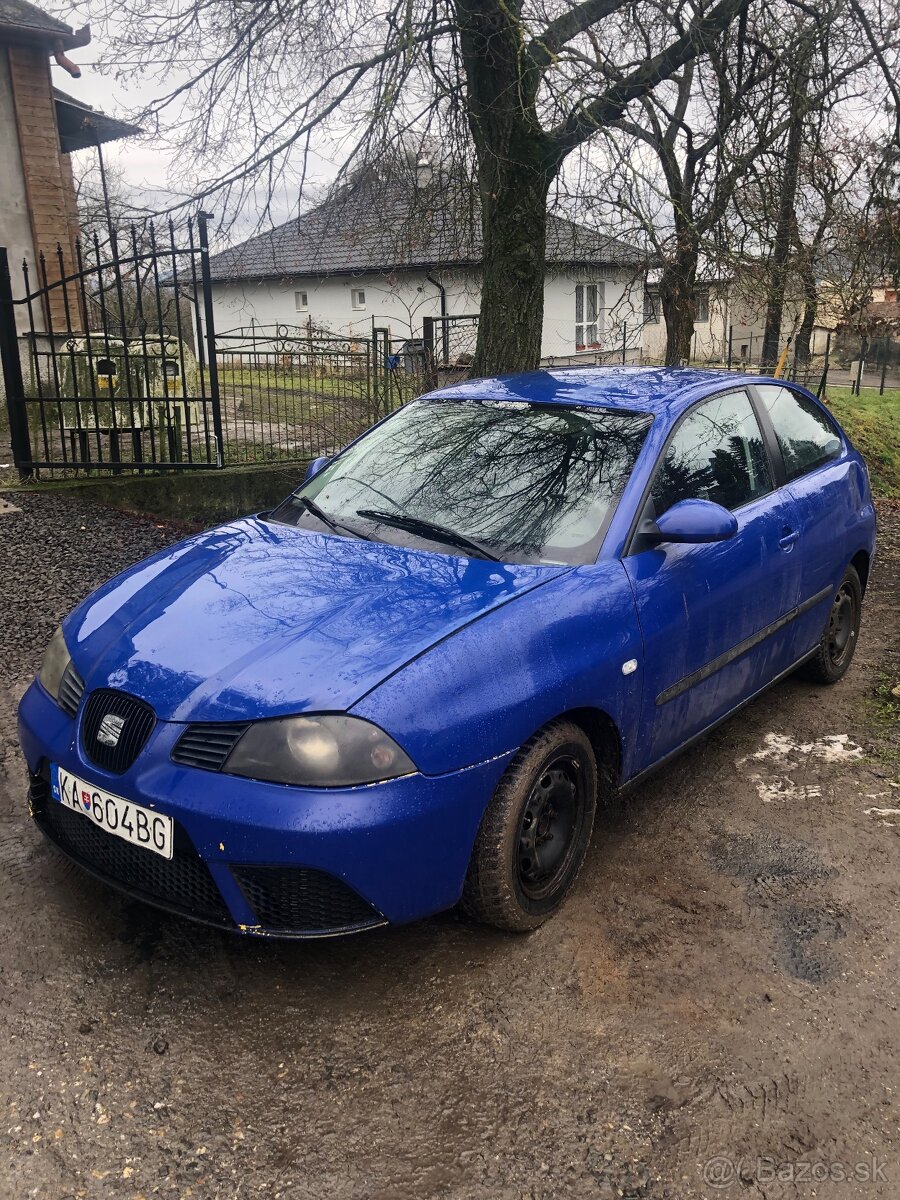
873	423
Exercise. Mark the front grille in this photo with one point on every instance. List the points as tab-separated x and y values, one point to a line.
182	883
138	719
208	746
303	900
71	689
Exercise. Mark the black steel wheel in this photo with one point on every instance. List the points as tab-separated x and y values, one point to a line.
548	827
838	643
535	832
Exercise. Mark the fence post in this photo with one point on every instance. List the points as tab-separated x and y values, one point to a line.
884	367
863	350
820	390
431	374
208	321
13	384
730	344
624	342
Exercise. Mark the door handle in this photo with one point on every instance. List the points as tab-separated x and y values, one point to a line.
788	538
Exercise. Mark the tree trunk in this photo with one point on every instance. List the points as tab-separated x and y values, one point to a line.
786	219
803	339
676	294
517	162
514	224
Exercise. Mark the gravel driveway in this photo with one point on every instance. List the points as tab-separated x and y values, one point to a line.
713	1014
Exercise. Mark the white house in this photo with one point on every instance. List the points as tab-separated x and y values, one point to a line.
729	321
386	254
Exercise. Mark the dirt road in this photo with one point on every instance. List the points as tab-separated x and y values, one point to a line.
713	1014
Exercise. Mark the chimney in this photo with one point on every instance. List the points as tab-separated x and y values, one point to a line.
424	172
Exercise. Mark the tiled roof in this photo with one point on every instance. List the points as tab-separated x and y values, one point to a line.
28	16
880	314
389	227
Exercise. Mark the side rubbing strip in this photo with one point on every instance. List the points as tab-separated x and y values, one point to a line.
716	664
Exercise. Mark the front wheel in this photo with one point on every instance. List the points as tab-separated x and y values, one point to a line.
536	830
834	652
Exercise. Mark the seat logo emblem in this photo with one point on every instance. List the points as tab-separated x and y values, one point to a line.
110	730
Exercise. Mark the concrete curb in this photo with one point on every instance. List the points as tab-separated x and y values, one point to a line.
202	497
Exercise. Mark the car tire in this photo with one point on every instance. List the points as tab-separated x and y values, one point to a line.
517	877
835	650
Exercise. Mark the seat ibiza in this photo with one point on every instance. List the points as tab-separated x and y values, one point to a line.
413	681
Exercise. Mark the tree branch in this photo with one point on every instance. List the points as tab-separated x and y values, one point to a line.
583	122
543	49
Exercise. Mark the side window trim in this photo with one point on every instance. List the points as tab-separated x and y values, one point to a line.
640	511
777	464
768	428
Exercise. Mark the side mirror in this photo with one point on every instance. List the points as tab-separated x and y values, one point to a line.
694	521
315	467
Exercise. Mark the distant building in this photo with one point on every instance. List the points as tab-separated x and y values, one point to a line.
730	312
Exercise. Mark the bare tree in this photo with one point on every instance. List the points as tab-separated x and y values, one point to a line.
523	83
885	205
832	196
699	167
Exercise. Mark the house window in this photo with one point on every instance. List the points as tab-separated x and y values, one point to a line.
301	301
651	307
358	297
588	316
701	306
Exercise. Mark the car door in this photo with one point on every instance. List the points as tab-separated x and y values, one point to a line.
820	478
713	616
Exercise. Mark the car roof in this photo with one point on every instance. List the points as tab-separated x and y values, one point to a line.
639	389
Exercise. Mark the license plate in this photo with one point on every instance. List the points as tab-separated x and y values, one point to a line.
122	818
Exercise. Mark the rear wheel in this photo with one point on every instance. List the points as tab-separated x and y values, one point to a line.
835	650
535	832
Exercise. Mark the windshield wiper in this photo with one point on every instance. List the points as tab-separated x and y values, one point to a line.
333	525
427	529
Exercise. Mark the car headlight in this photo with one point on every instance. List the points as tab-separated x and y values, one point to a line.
53	666
326	751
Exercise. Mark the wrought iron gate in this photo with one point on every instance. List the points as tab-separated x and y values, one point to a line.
111	363
109	359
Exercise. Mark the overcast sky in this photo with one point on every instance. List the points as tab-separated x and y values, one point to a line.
145	164
144	161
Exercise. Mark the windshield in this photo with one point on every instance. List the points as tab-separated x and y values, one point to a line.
525	483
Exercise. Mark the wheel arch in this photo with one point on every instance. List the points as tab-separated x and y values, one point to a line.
861	562
603	734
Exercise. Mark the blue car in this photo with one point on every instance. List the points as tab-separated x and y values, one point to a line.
412	683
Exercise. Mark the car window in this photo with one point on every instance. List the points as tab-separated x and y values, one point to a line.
805	434
528	482
716	453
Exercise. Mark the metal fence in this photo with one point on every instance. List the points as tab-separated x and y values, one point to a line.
286	394
108	358
112	363
844	360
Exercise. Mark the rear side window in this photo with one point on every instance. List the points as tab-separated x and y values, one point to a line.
717	454
805	434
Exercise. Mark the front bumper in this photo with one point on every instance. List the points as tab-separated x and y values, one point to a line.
265	858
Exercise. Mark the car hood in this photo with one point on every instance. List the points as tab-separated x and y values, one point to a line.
260	619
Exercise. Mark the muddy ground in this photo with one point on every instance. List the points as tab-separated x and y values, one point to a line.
713	1014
